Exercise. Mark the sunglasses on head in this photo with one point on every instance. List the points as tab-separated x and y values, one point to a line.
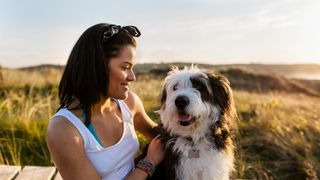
114	29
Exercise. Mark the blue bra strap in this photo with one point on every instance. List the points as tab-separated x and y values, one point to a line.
91	129
117	102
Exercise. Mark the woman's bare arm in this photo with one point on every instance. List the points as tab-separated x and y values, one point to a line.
142	121
144	125
66	147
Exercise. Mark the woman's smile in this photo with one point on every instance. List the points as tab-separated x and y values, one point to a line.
125	85
121	73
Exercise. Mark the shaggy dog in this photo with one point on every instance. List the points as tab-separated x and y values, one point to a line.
196	115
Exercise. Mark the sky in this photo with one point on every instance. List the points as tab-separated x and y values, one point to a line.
37	32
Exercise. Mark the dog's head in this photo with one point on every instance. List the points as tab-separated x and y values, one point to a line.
193	100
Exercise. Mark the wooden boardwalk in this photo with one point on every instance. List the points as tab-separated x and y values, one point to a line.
29	173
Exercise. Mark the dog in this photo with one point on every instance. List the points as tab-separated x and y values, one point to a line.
196	122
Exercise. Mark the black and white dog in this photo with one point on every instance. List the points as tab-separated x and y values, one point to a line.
196	115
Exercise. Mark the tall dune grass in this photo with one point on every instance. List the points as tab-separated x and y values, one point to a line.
278	134
24	116
18	78
149	90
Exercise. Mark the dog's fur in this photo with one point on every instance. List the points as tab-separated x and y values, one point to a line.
196	115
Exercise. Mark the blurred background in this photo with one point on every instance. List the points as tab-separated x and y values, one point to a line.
269	51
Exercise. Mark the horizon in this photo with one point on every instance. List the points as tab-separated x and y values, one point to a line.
291	71
210	32
175	62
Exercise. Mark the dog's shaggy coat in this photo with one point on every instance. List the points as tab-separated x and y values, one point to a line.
196	115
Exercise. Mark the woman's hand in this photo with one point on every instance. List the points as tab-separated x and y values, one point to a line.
155	151
155	155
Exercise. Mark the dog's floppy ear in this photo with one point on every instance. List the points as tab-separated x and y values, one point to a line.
221	91
222	96
164	97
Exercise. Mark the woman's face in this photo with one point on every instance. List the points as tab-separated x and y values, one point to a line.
121	73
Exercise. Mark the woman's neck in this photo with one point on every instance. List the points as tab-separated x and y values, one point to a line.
105	106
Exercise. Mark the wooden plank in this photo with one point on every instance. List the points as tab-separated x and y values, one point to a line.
58	176
8	172
36	173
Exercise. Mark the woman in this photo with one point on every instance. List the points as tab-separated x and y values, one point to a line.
92	135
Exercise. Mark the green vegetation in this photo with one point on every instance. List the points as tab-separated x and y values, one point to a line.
277	134
24	115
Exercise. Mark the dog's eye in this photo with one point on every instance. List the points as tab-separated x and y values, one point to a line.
175	87
198	86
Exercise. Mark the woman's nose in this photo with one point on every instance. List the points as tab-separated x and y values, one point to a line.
131	76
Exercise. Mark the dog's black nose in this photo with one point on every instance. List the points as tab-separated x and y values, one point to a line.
181	101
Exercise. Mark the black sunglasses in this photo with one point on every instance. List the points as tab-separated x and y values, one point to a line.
114	29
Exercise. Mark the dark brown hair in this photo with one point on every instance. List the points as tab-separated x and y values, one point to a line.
85	78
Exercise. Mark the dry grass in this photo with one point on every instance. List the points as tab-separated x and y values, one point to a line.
278	135
24	117
149	90
18	78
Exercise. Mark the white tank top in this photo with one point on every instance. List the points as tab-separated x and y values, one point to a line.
114	162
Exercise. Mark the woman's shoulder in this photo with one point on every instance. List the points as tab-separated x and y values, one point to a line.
61	131
133	101
66	148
